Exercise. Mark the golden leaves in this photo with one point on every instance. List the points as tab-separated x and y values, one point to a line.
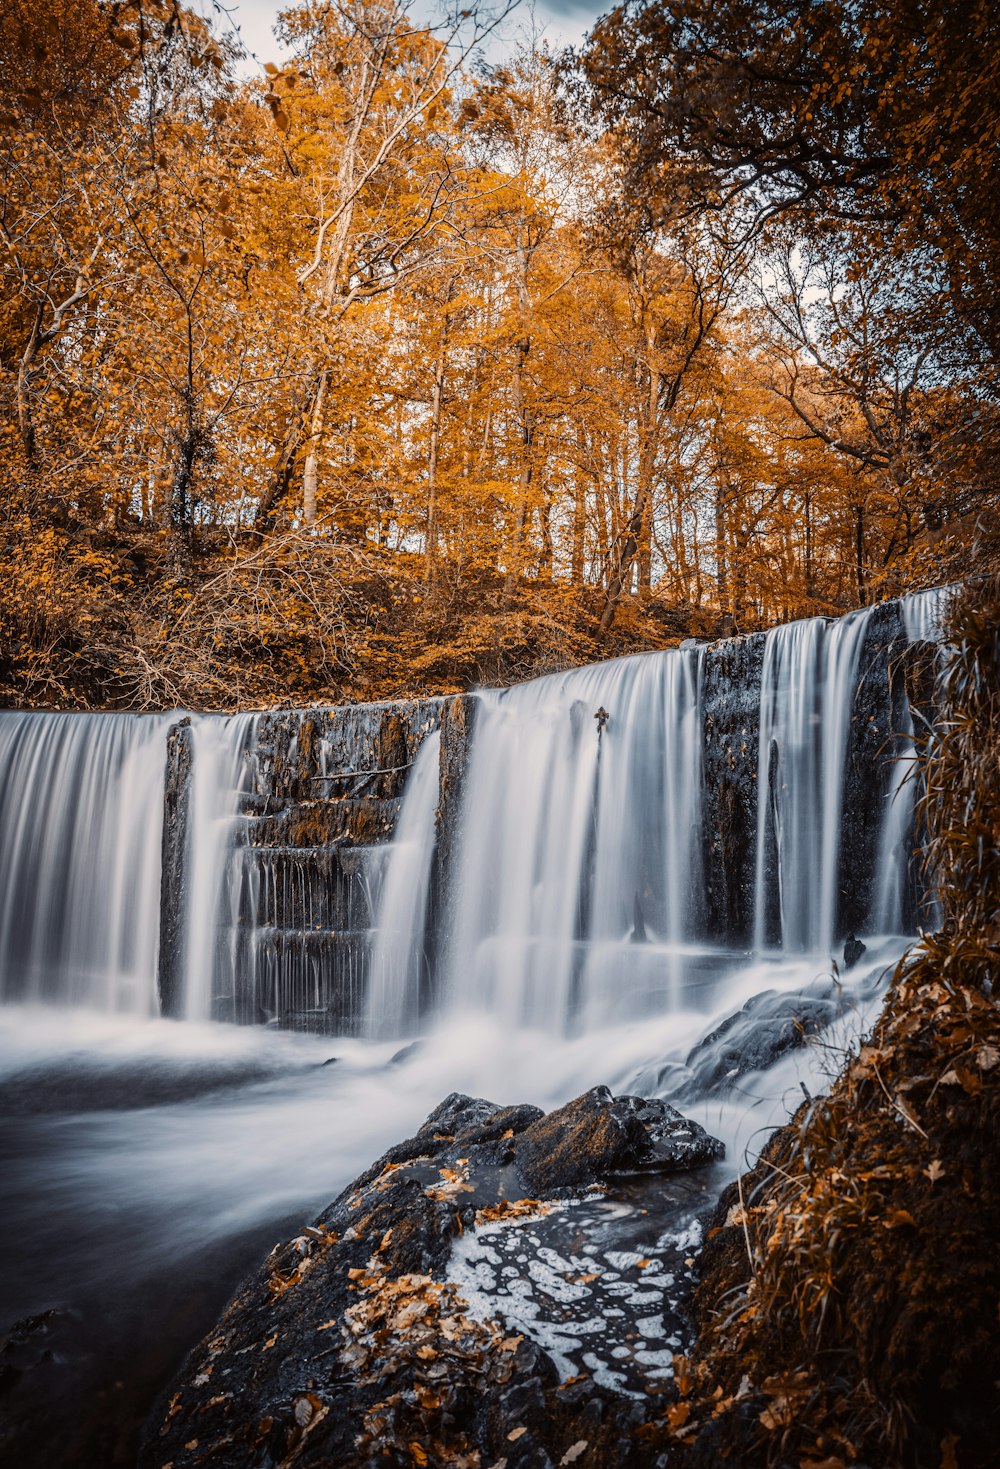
511	1209
574	1452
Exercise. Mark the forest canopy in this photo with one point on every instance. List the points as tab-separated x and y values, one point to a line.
396	368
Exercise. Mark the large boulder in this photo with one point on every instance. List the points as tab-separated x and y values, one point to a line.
350	1346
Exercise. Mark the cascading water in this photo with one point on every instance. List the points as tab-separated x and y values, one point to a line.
398	966
808	687
580	845
81	798
211	950
924	618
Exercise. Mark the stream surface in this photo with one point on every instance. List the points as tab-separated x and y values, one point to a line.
149	1164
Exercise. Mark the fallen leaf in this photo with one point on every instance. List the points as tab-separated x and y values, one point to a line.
572	1454
987	1057
418	1453
678	1414
898	1219
511	1343
949	1459
515	1434
935	1171
778	1415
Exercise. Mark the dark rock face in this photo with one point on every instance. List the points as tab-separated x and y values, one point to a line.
176	795
351	1347
755	1037
730	694
598	1134
322	793
458	716
877	713
887	688
854	950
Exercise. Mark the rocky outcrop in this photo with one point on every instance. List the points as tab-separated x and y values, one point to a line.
756	1037
730	701
458	717
174	868
320	798
371	1338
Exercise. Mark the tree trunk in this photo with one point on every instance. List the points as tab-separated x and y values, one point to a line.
310	474
526	430
722	563
433	448
25	416
640	520
579	509
859	553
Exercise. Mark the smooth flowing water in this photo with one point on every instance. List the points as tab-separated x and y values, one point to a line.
147	1162
578	870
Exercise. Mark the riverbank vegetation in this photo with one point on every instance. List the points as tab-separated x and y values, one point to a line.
848	1303
392	369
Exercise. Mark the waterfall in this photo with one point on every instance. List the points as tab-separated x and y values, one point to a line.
924	616
808	687
924	613
211	950
397	970
81	800
580	843
615	837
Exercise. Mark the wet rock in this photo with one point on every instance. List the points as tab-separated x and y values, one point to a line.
853	950
351	1344
756	1037
878	710
592	1136
321	795
676	1142
406	1053
173	869
730	694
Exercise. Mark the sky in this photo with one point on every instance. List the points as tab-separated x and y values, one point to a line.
561	22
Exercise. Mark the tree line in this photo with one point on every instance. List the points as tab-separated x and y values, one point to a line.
393	368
